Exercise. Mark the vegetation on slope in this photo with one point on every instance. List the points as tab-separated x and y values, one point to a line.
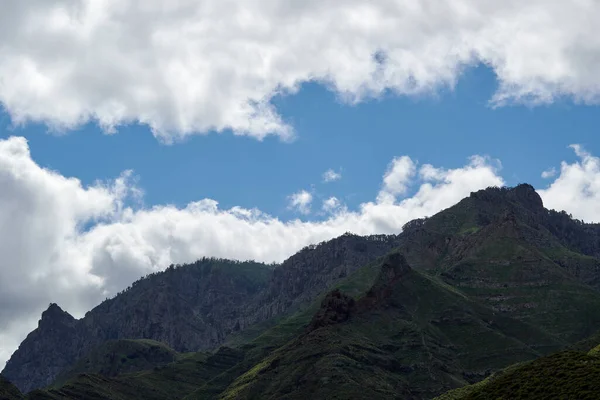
564	375
410	337
117	357
173	381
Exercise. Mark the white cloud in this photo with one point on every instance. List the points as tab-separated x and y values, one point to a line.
48	256
549	173
301	201
331	204
577	188
399	174
330	175
192	66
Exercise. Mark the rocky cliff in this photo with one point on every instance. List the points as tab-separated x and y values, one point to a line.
314	270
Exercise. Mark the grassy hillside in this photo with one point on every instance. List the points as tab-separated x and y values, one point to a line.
173	381
565	375
411	336
117	357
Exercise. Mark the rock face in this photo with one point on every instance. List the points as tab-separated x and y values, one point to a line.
191	307
336	307
50	348
314	270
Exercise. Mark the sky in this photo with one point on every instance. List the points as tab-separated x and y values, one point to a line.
135	134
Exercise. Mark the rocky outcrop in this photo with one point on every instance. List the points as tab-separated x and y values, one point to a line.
336	308
46	351
313	270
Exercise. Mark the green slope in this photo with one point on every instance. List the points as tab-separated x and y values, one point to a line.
117	357
498	248
172	381
411	336
564	375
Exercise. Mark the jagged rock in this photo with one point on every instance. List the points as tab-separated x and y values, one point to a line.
393	268
314	270
336	308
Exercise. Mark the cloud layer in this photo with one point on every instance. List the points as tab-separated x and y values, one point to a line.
74	245
193	66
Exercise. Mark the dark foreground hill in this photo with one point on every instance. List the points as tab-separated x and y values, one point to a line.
8	391
495	280
564	375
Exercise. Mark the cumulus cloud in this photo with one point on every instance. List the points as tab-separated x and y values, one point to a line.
549	173
330	175
300	201
331	204
396	179
192	66
75	245
577	188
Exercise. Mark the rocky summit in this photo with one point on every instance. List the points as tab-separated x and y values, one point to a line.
492	290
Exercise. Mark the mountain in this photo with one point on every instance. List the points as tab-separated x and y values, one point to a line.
190	307
373	340
502	248
494	280
410	336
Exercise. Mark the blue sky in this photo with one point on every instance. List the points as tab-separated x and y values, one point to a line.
357	140
396	96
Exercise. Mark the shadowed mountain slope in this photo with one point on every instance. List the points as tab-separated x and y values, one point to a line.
564	375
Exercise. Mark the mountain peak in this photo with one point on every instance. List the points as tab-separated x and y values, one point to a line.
336	308
56	315
523	194
526	195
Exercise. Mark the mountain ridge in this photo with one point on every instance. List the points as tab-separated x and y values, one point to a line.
190	308
514	276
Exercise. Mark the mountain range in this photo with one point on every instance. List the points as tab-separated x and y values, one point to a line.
493	282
